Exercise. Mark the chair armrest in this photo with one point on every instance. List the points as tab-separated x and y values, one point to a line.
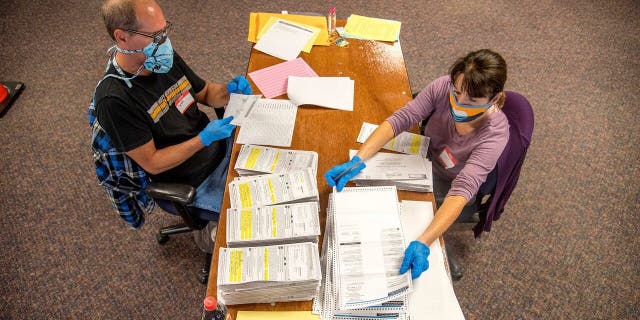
175	192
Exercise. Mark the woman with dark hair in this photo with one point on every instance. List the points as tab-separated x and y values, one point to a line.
468	132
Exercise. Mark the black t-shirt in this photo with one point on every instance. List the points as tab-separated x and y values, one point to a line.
161	107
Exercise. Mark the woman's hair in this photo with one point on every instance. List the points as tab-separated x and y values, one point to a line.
119	14
484	74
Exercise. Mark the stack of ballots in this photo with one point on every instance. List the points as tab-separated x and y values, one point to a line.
405	171
362	251
270	189
267	274
254	159
278	224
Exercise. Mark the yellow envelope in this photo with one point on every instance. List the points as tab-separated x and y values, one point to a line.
276	315
307	47
257	20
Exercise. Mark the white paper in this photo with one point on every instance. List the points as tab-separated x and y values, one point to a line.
330	92
433	296
405	142
240	107
271	123
284	39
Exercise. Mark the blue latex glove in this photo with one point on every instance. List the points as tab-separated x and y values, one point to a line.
339	175
415	256
239	84
217	130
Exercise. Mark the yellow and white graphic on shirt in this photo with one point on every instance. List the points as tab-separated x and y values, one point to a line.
414	147
161	106
245	195
246	224
266	264
235	266
253	158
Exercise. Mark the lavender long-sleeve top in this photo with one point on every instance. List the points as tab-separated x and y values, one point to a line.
474	154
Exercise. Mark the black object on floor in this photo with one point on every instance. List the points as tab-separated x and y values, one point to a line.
13	89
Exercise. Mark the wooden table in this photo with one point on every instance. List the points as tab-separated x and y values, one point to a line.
381	87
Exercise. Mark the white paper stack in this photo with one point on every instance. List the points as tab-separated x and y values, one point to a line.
263	190
267	274
329	92
363	248
273	225
405	171
254	160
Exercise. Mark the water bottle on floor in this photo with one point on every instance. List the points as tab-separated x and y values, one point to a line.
214	310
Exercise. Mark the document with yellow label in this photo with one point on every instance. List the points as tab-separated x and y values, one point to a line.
289	272
269	189
254	159
271	225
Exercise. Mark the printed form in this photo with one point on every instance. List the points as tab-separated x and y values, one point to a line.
270	189
278	224
370	247
254	159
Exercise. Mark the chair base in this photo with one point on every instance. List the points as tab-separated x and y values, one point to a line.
163	236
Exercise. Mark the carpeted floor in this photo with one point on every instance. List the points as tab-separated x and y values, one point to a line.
566	247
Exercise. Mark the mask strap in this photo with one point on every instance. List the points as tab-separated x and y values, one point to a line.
122	76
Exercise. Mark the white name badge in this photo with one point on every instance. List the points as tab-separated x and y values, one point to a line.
447	159
184	101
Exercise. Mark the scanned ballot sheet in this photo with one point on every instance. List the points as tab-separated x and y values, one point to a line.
405	171
254	159
269	189
370	247
278	224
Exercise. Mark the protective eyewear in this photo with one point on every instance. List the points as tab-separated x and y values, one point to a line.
158	37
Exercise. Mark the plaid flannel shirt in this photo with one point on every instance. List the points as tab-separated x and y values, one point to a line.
123	179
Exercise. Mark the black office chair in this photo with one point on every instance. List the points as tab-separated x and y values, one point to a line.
486	208
175	198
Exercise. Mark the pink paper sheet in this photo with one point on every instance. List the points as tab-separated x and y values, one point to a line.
272	81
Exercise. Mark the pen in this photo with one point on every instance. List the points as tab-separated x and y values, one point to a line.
353	166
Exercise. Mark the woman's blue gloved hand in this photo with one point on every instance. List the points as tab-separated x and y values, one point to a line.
339	175
415	257
239	84
217	130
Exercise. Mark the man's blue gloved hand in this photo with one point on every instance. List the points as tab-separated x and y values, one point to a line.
216	130
415	257
339	175
239	84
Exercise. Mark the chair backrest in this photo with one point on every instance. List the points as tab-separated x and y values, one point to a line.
519	113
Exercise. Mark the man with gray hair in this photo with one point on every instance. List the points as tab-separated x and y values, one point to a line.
145	118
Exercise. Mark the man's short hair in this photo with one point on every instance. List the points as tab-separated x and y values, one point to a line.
119	14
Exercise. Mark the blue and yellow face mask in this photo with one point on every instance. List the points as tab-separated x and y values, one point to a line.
465	112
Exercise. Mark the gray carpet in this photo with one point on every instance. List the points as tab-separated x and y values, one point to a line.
565	248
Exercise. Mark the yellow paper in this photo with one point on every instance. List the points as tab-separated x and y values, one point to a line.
257	21
307	47
276	315
372	28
